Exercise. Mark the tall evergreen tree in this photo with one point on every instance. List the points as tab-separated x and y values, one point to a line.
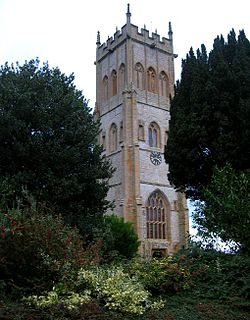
48	144
210	114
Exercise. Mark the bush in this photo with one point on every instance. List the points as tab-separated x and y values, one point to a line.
111	286
216	274
165	275
37	249
121	237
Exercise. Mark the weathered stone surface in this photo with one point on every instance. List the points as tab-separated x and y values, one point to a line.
132	95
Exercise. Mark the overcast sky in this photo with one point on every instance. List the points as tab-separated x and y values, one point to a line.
64	32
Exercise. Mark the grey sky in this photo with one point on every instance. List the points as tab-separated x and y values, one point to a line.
64	32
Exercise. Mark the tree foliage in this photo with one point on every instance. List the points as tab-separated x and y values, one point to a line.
210	114
48	144
122	237
226	209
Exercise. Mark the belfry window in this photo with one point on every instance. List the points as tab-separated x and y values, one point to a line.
113	138
139	76
154	135
163	84
151	80
156	217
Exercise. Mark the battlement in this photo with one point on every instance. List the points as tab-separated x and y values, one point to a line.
130	31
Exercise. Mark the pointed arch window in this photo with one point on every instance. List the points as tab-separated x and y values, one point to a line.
121	78
105	88
151	77
114	82
113	138
139	76
156	216
154	135
163	84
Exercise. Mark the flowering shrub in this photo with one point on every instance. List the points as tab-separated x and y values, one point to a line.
68	299
112	287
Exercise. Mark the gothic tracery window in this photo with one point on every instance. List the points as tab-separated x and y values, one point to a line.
154	135
113	138
139	76
163	84
156	217
151	77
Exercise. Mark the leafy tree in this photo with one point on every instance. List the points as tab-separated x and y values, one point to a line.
210	114
226	209
122	237
48	144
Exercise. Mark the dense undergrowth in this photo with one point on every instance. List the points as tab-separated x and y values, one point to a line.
48	272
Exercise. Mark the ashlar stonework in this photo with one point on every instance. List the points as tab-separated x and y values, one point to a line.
134	81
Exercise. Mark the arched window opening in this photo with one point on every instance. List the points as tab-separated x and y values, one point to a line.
139	76
121	77
141	130
154	135
105	88
151	77
113	138
114	82
156	218
163	84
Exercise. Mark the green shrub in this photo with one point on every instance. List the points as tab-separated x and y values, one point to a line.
111	286
163	275
216	274
121	237
37	249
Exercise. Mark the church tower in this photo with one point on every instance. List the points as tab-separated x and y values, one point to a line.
134	80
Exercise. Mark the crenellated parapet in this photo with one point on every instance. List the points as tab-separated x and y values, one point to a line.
143	36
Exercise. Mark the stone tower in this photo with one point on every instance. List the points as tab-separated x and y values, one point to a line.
134	80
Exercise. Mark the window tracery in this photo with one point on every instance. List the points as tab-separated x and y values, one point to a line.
154	135
139	76
163	84
156	217
151	77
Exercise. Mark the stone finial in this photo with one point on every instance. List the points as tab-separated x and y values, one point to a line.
170	32
128	14
128	10
98	42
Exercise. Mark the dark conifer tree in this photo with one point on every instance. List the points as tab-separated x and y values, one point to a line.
210	114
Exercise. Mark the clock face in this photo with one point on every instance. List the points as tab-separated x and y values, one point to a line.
155	158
